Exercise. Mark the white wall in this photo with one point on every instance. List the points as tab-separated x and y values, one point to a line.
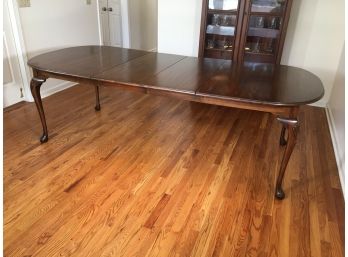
314	39
52	24
179	26
336	116
142	15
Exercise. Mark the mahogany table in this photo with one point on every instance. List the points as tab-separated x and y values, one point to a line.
276	89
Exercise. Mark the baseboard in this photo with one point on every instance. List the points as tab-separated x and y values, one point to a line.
319	104
54	89
152	50
337	150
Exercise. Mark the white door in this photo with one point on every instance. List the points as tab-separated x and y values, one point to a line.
104	20
111	22
115	24
12	84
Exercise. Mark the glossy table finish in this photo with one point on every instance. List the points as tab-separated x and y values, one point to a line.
263	87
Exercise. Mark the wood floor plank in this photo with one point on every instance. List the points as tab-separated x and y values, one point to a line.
153	176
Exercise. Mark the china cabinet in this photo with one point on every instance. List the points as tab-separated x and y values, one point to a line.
244	30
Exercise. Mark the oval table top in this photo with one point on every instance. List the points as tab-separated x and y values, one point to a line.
251	82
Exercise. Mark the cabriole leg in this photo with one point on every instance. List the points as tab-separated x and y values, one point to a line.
97	105
282	140
291	125
35	86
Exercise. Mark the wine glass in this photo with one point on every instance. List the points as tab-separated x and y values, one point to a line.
227	20
273	24
210	43
215	20
257	46
260	22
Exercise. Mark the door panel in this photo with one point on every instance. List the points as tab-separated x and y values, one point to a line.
263	30
115	30
104	20
111	22
221	27
12	83
115	24
223	5
116	7
262	38
268	6
8	78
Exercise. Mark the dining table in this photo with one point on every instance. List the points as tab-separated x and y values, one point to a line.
277	89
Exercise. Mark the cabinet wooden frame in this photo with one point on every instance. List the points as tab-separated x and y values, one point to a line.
243	14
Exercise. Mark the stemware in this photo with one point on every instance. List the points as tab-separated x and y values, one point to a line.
273	23
260	22
210	43
257	46
215	20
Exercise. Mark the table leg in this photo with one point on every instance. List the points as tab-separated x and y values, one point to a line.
282	140
35	86
97	106
291	125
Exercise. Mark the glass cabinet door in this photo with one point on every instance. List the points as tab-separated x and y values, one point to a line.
231	5
220	28
263	30
268	6
244	30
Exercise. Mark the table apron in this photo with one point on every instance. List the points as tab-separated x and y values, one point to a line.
278	110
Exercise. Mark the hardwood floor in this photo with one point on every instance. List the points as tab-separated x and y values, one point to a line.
153	176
